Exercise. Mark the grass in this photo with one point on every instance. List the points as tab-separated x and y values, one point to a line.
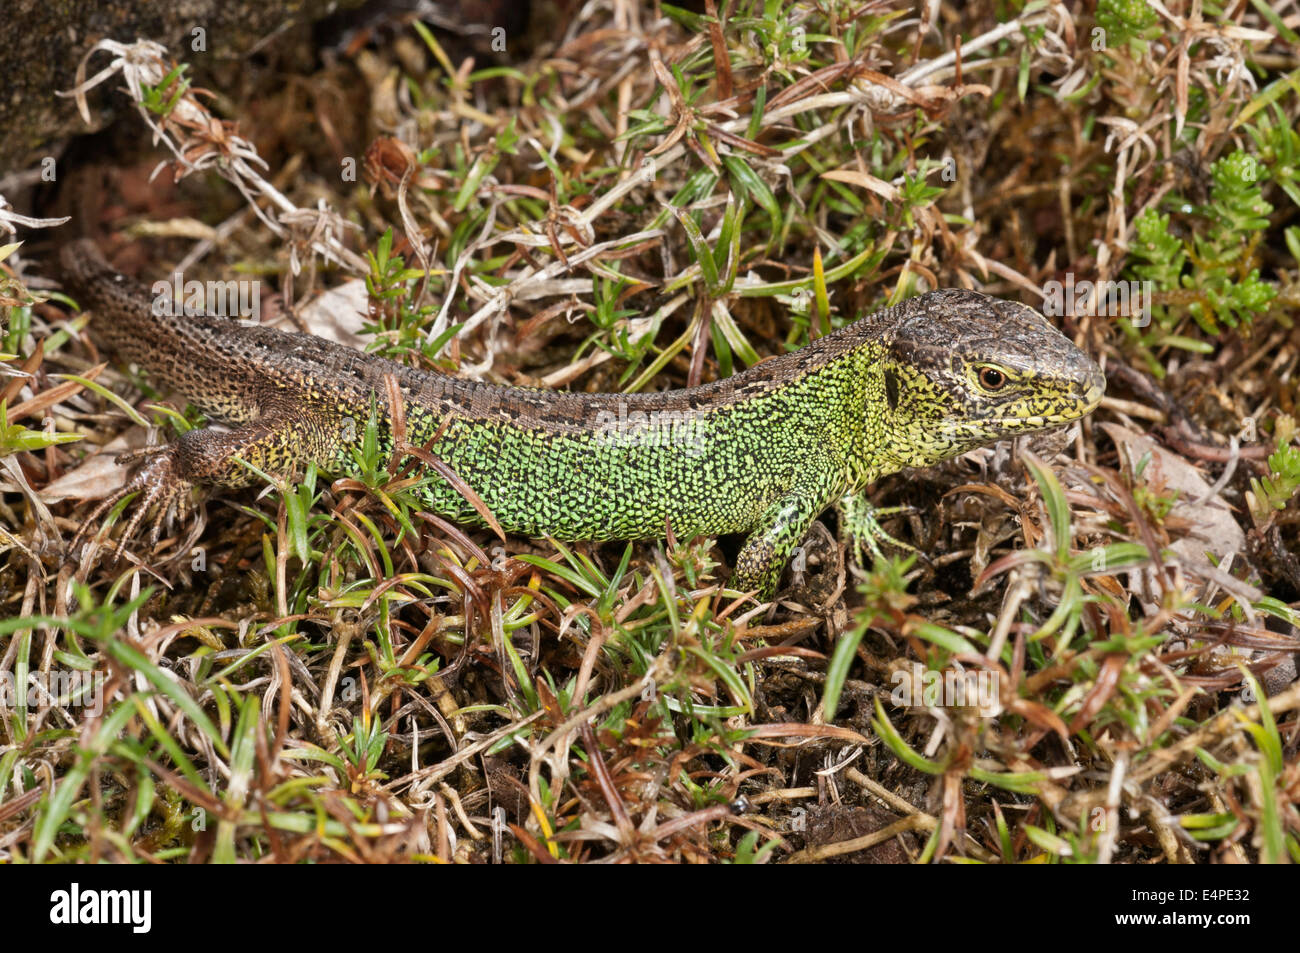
657	197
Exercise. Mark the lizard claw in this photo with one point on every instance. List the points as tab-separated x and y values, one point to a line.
862	534
161	486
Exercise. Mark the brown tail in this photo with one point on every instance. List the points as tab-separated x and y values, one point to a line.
82	263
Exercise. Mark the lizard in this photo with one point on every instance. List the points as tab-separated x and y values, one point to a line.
762	452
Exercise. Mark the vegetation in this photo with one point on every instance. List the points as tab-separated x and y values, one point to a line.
652	196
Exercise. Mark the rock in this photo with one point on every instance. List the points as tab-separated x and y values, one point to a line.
41	44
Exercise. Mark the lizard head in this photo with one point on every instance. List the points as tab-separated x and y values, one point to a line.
965	369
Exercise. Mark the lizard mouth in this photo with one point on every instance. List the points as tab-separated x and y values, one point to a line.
1092	397
1076	409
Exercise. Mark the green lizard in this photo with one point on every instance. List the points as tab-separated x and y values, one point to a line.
763	452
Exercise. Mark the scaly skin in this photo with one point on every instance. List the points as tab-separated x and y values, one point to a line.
762	452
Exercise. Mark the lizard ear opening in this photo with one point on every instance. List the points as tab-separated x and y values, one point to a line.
891	388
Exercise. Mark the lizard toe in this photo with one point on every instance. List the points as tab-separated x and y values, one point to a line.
160	487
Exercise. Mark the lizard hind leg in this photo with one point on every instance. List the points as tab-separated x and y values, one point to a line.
161	489
206	456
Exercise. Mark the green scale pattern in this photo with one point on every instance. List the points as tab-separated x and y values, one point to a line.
629	476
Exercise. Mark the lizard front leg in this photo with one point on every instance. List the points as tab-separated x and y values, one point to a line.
781	528
860	530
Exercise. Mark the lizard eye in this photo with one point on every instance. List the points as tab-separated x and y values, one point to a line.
992	379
